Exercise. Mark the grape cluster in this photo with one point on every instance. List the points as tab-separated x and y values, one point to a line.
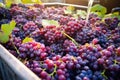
74	50
50	34
21	20
38	51
72	27
112	23
29	27
5	16
86	35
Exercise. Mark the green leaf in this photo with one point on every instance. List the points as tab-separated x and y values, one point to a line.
69	10
27	39
12	24
99	8
75	16
32	1
111	15
26	1
7	28
8	3
50	22
99	14
3	37
17	1
81	13
116	13
6	31
2	5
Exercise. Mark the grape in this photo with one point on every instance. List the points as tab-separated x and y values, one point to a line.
43	74
13	52
61	77
118	50
60	72
95	41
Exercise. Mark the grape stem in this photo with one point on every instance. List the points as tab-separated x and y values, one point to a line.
25	60
15	47
115	62
73	40
103	74
55	68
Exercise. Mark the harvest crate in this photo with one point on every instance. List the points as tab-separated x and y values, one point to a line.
11	68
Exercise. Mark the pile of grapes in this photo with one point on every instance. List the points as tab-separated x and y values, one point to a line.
74	50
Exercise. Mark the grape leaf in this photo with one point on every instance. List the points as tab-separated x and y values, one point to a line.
75	16
17	1
50	22
99	14
6	31
3	37
2	5
99	8
8	3
72	8
12	24
111	15
69	10
32	1
81	13
7	28
27	39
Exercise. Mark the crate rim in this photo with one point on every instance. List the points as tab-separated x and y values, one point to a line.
62	4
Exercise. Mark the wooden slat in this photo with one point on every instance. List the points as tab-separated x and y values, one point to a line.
64	4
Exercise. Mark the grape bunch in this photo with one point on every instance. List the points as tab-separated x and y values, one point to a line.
5	16
112	23
50	34
38	51
86	35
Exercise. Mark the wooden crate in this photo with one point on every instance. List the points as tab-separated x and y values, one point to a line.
11	68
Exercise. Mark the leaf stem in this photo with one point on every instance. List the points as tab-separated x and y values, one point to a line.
71	39
103	74
55	68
